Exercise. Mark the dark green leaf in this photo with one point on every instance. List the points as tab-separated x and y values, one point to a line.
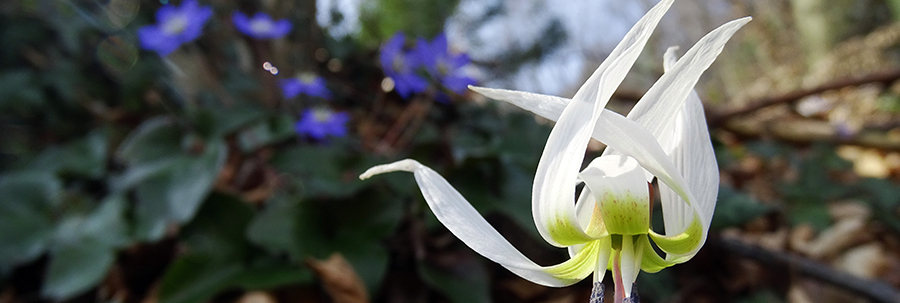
84	157
269	273
735	208
153	140
467	282
325	170
218	229
195	278
174	189
267	132
216	122
76	267
28	202
85	249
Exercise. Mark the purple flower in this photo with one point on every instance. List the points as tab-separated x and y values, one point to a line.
307	84
175	26
400	66
443	65
261	26
322	122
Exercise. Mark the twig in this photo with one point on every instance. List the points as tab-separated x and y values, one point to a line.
810	131
404	123
718	117
876	290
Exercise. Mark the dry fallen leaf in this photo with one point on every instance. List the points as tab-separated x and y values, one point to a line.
256	297
836	238
866	261
339	279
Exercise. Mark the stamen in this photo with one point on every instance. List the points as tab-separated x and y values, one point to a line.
634	295
597	292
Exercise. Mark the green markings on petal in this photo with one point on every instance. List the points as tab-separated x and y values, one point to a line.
651	262
624	214
579	266
565	231
682	243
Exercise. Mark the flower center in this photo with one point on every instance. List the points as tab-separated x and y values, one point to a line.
261	26
307	78
322	115
622	197
442	67
399	63
175	25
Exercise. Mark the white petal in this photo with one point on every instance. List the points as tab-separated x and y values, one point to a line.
695	158
656	109
552	194
549	107
452	210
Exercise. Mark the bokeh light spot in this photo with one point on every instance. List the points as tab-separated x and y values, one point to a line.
116	55
387	84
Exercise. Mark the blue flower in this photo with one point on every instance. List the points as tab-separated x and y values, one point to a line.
175	26
401	67
307	84
442	65
261	26
322	122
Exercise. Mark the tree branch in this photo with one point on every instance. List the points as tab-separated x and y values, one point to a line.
877	291
719	117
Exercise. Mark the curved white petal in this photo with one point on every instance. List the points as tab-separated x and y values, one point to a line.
552	194
695	158
621	134
657	108
546	106
452	210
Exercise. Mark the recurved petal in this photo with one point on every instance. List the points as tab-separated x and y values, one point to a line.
650	261
546	106
695	158
657	108
552	193
452	210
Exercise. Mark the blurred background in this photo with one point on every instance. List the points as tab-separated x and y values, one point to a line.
209	151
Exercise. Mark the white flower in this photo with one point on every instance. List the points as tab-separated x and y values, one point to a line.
665	137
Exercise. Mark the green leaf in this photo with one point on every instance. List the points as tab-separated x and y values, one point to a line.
216	249
273	227
84	157
735	208
355	227
196	278
174	188
153	140
75	268
18	92
325	170
273	130
467	282
218	229
268	273
28	202
85	249
216	121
